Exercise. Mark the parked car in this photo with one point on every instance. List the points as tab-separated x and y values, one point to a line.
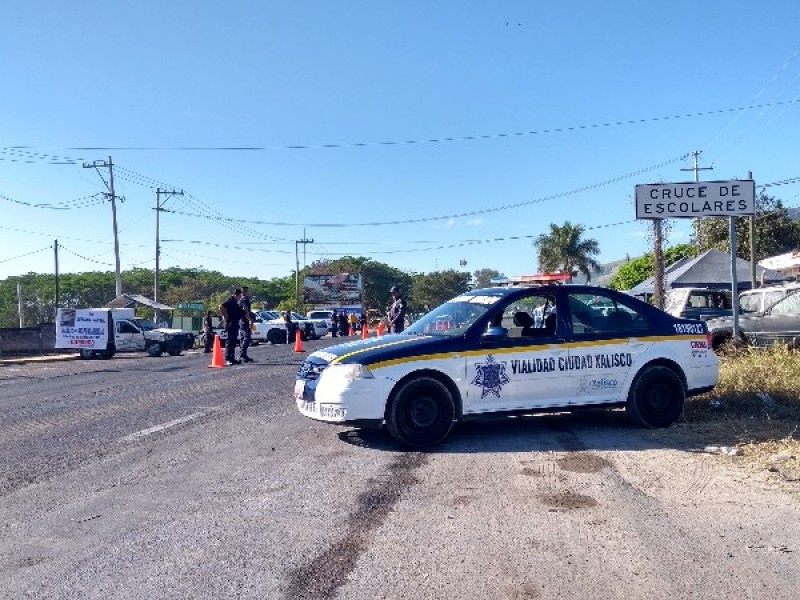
322	315
321	325
778	323
272	328
698	303
493	359
760	299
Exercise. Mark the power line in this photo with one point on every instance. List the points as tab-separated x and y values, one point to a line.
462	138
26	254
445	217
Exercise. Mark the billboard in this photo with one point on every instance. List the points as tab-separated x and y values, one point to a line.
82	328
344	288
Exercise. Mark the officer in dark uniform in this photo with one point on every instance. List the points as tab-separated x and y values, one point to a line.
247	320
397	311
208	330
231	314
334	322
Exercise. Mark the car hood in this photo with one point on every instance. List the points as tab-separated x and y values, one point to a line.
727	322
385	348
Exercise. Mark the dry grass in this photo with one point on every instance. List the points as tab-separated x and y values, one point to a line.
754	408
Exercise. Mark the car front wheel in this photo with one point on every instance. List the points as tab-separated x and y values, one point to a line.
656	397
421	412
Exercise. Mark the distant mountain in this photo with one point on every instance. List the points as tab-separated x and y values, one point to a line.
605	273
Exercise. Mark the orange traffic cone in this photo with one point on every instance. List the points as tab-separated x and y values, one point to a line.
298	342
380	327
364	332
217	361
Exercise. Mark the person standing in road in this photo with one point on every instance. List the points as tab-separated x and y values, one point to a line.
334	322
246	323
287	317
353	321
397	311
231	314
362	321
208	331
343	323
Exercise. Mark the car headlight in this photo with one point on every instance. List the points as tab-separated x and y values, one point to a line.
348	372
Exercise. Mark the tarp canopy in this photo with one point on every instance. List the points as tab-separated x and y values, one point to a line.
128	300
712	269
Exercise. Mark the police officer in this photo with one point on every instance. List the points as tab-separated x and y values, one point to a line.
231	314
334	322
246	322
397	311
208	330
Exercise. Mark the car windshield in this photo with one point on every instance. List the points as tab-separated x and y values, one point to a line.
146	324
450	319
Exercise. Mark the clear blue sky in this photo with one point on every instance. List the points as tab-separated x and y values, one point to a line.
603	95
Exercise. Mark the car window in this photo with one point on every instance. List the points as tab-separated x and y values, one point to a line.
676	300
125	327
596	313
452	318
750	302
771	298
529	316
788	306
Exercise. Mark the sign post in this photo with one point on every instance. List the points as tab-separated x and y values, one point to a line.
699	199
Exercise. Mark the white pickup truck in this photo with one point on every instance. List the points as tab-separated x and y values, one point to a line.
102	332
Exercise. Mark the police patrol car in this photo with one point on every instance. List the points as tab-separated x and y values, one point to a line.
512	350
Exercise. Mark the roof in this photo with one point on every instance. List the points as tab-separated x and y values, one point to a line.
787	261
128	300
712	269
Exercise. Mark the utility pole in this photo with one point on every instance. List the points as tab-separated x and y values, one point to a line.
159	207
752	244
55	250
304	241
111	196
19	303
697	168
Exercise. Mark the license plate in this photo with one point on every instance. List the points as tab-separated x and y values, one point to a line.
299	388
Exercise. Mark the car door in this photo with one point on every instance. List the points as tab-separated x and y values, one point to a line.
127	337
604	346
518	370
780	324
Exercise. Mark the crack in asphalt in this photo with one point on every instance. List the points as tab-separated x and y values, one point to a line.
323	574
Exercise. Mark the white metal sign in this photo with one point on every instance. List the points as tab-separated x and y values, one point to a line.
696	199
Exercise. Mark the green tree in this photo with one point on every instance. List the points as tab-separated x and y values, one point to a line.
776	233
564	250
432	289
482	278
640	269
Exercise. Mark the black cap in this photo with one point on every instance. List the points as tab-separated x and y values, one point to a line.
394	289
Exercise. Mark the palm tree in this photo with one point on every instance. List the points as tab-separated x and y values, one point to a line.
563	250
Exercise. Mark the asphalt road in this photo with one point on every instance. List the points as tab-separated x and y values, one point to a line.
161	478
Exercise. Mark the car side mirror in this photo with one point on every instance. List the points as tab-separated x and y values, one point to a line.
494	333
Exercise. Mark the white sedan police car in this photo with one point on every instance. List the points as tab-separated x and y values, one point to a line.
512	350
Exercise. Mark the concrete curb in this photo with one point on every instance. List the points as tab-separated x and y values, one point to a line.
21	360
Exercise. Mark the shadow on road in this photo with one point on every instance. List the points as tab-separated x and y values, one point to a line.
602	430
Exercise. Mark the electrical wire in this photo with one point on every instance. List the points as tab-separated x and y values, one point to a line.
444	217
26	254
462	138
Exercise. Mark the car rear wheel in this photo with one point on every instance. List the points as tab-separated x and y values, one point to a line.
656	397
420	412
